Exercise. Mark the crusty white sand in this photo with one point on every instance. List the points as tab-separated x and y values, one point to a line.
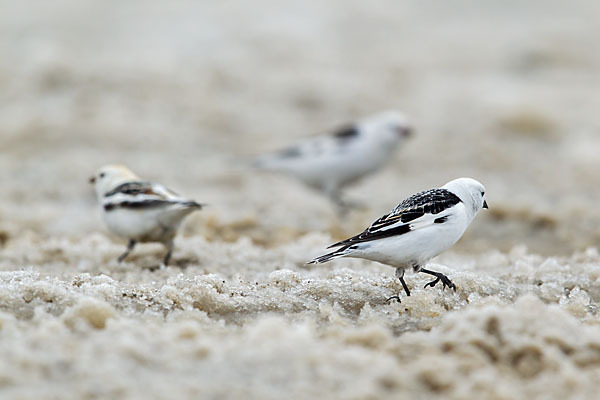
187	93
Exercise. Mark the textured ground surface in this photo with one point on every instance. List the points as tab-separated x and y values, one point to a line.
187	93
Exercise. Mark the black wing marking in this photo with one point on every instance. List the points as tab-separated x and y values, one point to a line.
133	188
432	201
139	195
150	203
368	235
346	132
440	220
137	204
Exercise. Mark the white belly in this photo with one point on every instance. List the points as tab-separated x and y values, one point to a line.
144	225
414	247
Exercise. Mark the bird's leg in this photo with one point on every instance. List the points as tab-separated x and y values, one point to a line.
438	277
404	286
130	246
400	275
168	255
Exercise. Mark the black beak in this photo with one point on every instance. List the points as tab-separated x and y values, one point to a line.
92	179
485	204
405	131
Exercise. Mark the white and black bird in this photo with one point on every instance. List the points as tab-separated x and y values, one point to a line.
330	162
418	229
138	210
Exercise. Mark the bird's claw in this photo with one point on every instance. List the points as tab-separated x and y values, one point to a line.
447	283
432	283
394	297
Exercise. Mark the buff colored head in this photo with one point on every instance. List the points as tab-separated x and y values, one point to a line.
110	176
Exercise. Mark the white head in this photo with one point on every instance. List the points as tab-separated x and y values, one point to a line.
470	191
389	127
109	177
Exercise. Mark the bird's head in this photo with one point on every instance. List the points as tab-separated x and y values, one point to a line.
109	177
470	191
390	127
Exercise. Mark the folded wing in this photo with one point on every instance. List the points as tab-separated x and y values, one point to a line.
140	194
418	211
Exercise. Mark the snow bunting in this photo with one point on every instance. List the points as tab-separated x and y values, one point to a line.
327	163
138	210
418	229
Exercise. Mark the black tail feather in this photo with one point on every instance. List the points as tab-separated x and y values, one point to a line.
329	256
193	204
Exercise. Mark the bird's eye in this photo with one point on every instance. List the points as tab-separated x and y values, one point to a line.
102	175
483	193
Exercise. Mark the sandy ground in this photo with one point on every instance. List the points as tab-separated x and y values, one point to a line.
187	93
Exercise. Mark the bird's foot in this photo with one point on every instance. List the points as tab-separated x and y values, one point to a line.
130	246
167	258
394	298
154	268
432	283
445	282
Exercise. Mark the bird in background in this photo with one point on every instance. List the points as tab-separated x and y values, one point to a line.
418	229
138	210
329	163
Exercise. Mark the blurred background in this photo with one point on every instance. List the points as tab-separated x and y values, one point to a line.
187	93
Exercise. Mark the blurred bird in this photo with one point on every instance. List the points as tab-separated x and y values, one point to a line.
138	210
418	229
330	162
